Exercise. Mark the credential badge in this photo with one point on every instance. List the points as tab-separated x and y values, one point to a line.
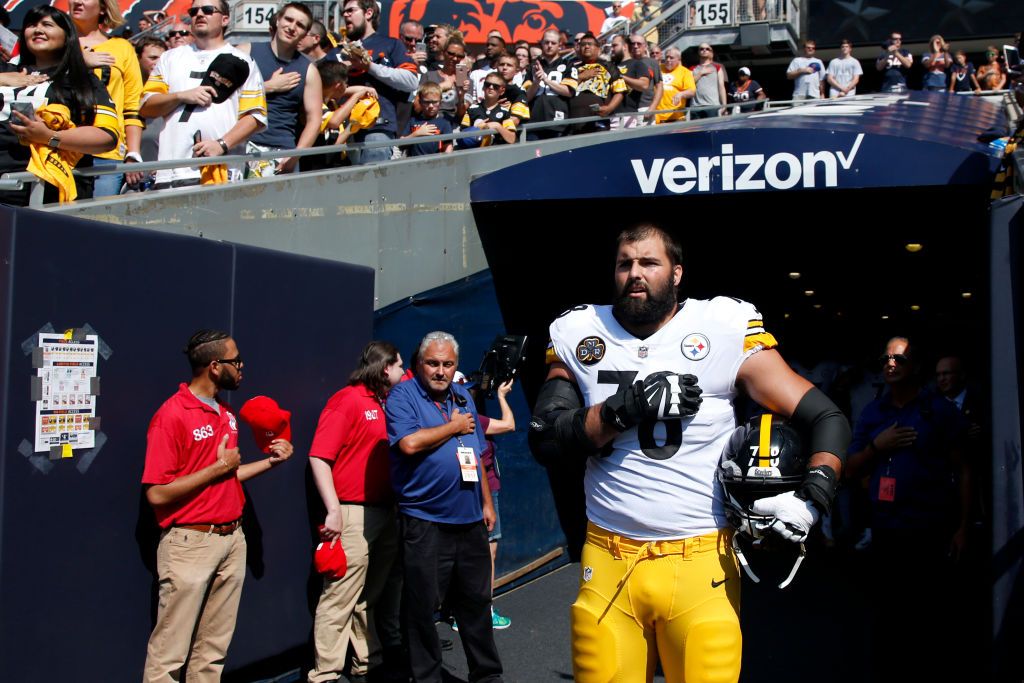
695	346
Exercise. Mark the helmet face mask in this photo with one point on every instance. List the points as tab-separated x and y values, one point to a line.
763	458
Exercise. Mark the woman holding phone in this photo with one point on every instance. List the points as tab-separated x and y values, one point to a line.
49	46
453	77
114	62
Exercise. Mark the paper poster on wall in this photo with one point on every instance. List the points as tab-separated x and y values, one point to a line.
66	405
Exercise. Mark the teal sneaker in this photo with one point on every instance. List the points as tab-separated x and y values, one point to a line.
455	627
499	622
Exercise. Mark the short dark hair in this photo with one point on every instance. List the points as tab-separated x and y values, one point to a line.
299	7
148	41
376	356
642	231
366	6
332	72
204	347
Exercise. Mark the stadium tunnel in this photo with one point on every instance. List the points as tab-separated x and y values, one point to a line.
845	224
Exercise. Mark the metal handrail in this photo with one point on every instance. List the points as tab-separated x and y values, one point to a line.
17	180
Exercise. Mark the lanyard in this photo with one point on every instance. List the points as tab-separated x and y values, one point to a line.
444	416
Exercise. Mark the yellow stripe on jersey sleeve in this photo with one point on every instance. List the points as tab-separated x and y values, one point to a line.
550	355
762	340
521	110
509	123
250	103
155	85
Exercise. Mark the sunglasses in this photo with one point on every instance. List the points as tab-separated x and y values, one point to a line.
177	34
408	39
208	10
492	86
704	49
236	361
897	358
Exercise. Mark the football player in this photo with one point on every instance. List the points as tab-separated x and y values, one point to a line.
643	390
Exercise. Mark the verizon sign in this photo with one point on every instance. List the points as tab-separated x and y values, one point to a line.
730	171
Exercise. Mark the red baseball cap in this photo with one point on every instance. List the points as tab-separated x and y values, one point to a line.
330	561
268	421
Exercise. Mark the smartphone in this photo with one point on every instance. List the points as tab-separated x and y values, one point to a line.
461	74
1011	57
421	46
26	109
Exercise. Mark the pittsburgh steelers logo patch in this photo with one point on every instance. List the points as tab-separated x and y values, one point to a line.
590	351
695	346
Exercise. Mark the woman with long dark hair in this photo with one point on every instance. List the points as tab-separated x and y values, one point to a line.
114	62
64	118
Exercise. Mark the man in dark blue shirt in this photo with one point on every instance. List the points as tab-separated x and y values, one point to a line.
908	445
445	512
380	62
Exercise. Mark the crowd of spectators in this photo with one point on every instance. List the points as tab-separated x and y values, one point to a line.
181	90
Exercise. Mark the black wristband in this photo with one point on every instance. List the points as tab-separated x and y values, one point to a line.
819	488
223	145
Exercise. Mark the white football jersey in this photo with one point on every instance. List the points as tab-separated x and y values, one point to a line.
658	480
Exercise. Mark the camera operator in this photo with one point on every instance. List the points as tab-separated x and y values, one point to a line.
894	63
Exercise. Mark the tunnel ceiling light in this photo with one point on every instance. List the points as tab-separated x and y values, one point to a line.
915	307
817	306
808	292
913	247
885	317
965	295
785	316
794	276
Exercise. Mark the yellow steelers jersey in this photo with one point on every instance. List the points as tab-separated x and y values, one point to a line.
123	81
657	480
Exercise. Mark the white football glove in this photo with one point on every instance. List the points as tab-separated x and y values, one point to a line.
793	517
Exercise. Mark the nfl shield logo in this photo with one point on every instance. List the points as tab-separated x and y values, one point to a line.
642	352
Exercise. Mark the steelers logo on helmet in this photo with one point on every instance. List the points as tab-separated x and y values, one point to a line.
763	458
590	351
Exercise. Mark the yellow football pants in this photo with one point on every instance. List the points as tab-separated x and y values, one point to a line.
677	600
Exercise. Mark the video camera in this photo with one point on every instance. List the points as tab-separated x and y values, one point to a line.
500	363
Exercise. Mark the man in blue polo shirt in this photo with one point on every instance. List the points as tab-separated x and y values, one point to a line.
445	512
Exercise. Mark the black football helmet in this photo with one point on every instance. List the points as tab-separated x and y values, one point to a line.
763	458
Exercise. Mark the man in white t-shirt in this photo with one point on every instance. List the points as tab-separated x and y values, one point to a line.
844	72
207	112
808	74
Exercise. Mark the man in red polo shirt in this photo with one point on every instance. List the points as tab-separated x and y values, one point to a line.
193	478
350	463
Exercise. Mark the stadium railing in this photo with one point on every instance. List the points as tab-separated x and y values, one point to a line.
16	181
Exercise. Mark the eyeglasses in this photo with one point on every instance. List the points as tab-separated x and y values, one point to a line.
208	10
704	49
427	103
236	361
177	34
489	86
897	358
408	39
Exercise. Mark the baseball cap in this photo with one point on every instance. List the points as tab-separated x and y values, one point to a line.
744	70
330	561
268	421
364	114
226	74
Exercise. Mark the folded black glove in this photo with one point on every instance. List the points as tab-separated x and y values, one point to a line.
661	396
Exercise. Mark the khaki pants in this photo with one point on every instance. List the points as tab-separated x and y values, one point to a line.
345	613
201	577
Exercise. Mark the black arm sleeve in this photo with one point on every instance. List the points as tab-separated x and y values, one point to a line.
828	431
557	426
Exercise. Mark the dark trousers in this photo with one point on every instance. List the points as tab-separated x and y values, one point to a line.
450	562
